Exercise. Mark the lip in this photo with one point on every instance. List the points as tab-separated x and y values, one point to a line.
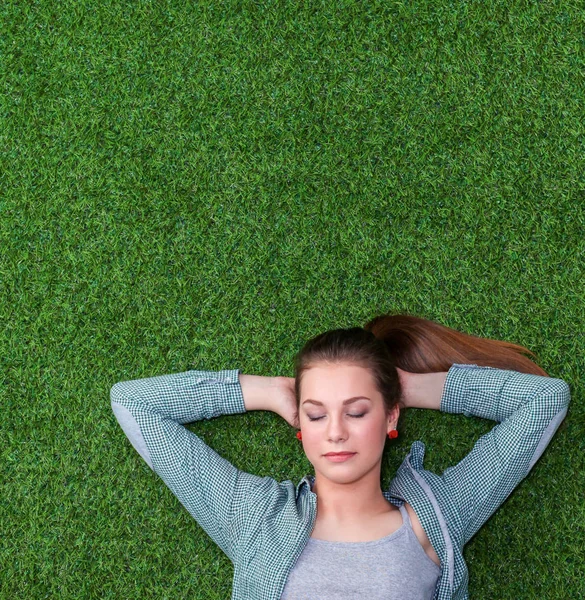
339	456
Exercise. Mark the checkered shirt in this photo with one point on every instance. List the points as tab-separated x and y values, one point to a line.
263	525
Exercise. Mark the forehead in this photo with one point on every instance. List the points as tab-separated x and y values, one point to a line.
332	381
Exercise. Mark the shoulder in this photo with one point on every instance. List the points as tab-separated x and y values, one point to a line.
421	535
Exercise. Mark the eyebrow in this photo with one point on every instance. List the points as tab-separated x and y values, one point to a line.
348	401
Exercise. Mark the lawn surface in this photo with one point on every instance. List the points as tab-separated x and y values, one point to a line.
208	186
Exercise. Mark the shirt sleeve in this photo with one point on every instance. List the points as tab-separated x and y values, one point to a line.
528	408
152	412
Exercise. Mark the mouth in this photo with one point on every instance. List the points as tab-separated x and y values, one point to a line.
339	454
339	457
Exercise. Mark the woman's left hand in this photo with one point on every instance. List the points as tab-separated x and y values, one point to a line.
403	377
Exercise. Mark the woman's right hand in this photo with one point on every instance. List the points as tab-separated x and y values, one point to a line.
285	403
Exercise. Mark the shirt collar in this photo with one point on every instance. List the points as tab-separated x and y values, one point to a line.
307	481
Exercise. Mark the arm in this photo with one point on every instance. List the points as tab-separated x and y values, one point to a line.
422	390
260	392
528	409
152	412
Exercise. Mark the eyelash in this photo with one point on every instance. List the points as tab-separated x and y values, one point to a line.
355	416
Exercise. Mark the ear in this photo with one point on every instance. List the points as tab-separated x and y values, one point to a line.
393	417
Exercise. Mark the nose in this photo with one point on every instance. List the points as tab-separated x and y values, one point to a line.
336	429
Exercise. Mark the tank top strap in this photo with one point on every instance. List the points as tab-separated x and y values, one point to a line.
405	515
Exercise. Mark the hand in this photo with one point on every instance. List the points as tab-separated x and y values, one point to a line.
405	379
284	402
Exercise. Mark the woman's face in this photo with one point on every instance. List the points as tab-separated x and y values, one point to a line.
339	427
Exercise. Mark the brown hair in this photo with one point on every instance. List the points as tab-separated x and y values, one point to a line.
410	343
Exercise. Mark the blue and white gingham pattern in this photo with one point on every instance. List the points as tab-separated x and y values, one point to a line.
263	525
524	406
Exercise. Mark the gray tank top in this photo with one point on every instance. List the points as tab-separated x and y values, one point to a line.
395	566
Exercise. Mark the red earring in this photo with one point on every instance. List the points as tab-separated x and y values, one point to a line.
299	435
393	434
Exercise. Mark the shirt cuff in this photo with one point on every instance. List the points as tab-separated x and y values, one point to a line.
453	397
232	402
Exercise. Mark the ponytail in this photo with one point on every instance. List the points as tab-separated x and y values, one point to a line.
419	345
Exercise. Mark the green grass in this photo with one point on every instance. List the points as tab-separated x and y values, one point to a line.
208	187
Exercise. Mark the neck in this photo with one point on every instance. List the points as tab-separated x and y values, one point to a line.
352	501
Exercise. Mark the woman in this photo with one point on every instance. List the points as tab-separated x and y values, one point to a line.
338	534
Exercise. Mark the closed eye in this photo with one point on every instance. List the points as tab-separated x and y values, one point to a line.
355	416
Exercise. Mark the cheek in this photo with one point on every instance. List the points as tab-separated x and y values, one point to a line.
370	434
311	440
314	442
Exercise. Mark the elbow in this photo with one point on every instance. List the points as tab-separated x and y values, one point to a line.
119	400
558	393
119	393
558	396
